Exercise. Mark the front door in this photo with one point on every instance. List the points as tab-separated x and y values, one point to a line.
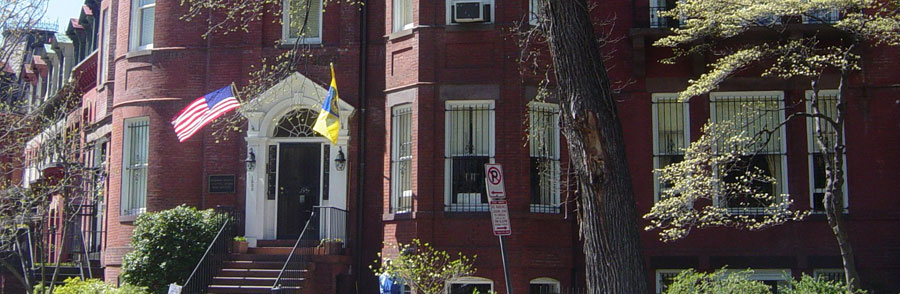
299	170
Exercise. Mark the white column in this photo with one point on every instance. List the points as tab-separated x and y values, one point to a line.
254	210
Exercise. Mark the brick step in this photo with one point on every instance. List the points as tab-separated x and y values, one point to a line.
262	265
216	289
249	272
257	257
244	281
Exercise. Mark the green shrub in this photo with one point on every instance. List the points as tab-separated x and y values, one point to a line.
167	246
724	282
90	286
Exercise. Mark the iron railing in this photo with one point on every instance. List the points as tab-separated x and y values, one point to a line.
292	273
324	233
215	254
657	21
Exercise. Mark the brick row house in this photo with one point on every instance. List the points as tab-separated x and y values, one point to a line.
431	91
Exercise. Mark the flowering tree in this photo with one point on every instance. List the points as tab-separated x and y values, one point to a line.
425	269
712	168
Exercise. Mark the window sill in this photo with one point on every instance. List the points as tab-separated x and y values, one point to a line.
289	43
464	27
128	219
397	216
137	53
400	34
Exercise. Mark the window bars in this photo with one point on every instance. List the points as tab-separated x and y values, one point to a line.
670	135
543	144
135	186
401	160
469	146
757	115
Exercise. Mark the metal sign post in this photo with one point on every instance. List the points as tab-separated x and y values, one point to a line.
499	212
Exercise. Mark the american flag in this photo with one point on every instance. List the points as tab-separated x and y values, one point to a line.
202	111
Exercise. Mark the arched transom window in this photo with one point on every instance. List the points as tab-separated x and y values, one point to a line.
296	123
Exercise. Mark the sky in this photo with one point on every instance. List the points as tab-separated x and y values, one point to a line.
63	10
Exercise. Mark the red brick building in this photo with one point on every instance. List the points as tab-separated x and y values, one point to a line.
432	90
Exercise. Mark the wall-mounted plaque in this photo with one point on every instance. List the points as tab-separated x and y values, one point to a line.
221	184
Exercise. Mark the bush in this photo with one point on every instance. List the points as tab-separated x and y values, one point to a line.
90	286
722	282
167	246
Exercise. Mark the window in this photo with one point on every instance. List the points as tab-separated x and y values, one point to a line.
657	21
829	274
543	144
534	9
822	16
543	286
403	15
142	22
473	8
302	14
828	106
754	112
471	284
774	278
134	165
469	144
671	135
104	48
665	278
401	159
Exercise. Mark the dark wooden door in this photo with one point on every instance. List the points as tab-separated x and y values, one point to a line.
299	170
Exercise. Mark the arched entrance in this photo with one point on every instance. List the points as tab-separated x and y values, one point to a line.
295	169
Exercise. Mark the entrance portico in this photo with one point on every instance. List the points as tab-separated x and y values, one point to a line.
295	168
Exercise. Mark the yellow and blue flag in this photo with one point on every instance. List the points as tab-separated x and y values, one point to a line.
329	122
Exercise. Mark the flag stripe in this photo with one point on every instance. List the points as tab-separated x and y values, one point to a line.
203	111
208	116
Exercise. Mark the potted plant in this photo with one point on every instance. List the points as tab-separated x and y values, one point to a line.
329	246
240	245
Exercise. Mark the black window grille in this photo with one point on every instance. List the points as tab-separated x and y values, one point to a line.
758	116
135	179
401	160
543	144
658	21
469	146
827	105
670	136
543	288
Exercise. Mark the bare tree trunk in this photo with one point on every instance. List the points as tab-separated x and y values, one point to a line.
834	185
608	218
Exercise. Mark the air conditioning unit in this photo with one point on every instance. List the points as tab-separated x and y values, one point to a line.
469	11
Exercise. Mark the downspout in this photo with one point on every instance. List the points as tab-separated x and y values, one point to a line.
361	151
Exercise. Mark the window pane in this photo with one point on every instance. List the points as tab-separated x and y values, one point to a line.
135	177
469	288
147	2
298	13
670	127
147	20
401	157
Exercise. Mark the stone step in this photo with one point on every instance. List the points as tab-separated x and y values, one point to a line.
257	257
244	281
216	289
262	265
249	272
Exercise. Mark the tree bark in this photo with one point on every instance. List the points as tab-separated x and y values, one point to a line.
607	213
834	181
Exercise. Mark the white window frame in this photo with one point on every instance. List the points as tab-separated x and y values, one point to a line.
470	281
782	183
554	157
127	151
448	10
812	150
659	277
546	281
533	12
656	98
448	166
104	48
399	9
286	25
396	194
137	28
781	275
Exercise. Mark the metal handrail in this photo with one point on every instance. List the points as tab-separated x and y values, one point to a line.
276	287
207	257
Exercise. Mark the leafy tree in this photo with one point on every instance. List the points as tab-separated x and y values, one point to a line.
714	28
425	269
91	286
167	245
